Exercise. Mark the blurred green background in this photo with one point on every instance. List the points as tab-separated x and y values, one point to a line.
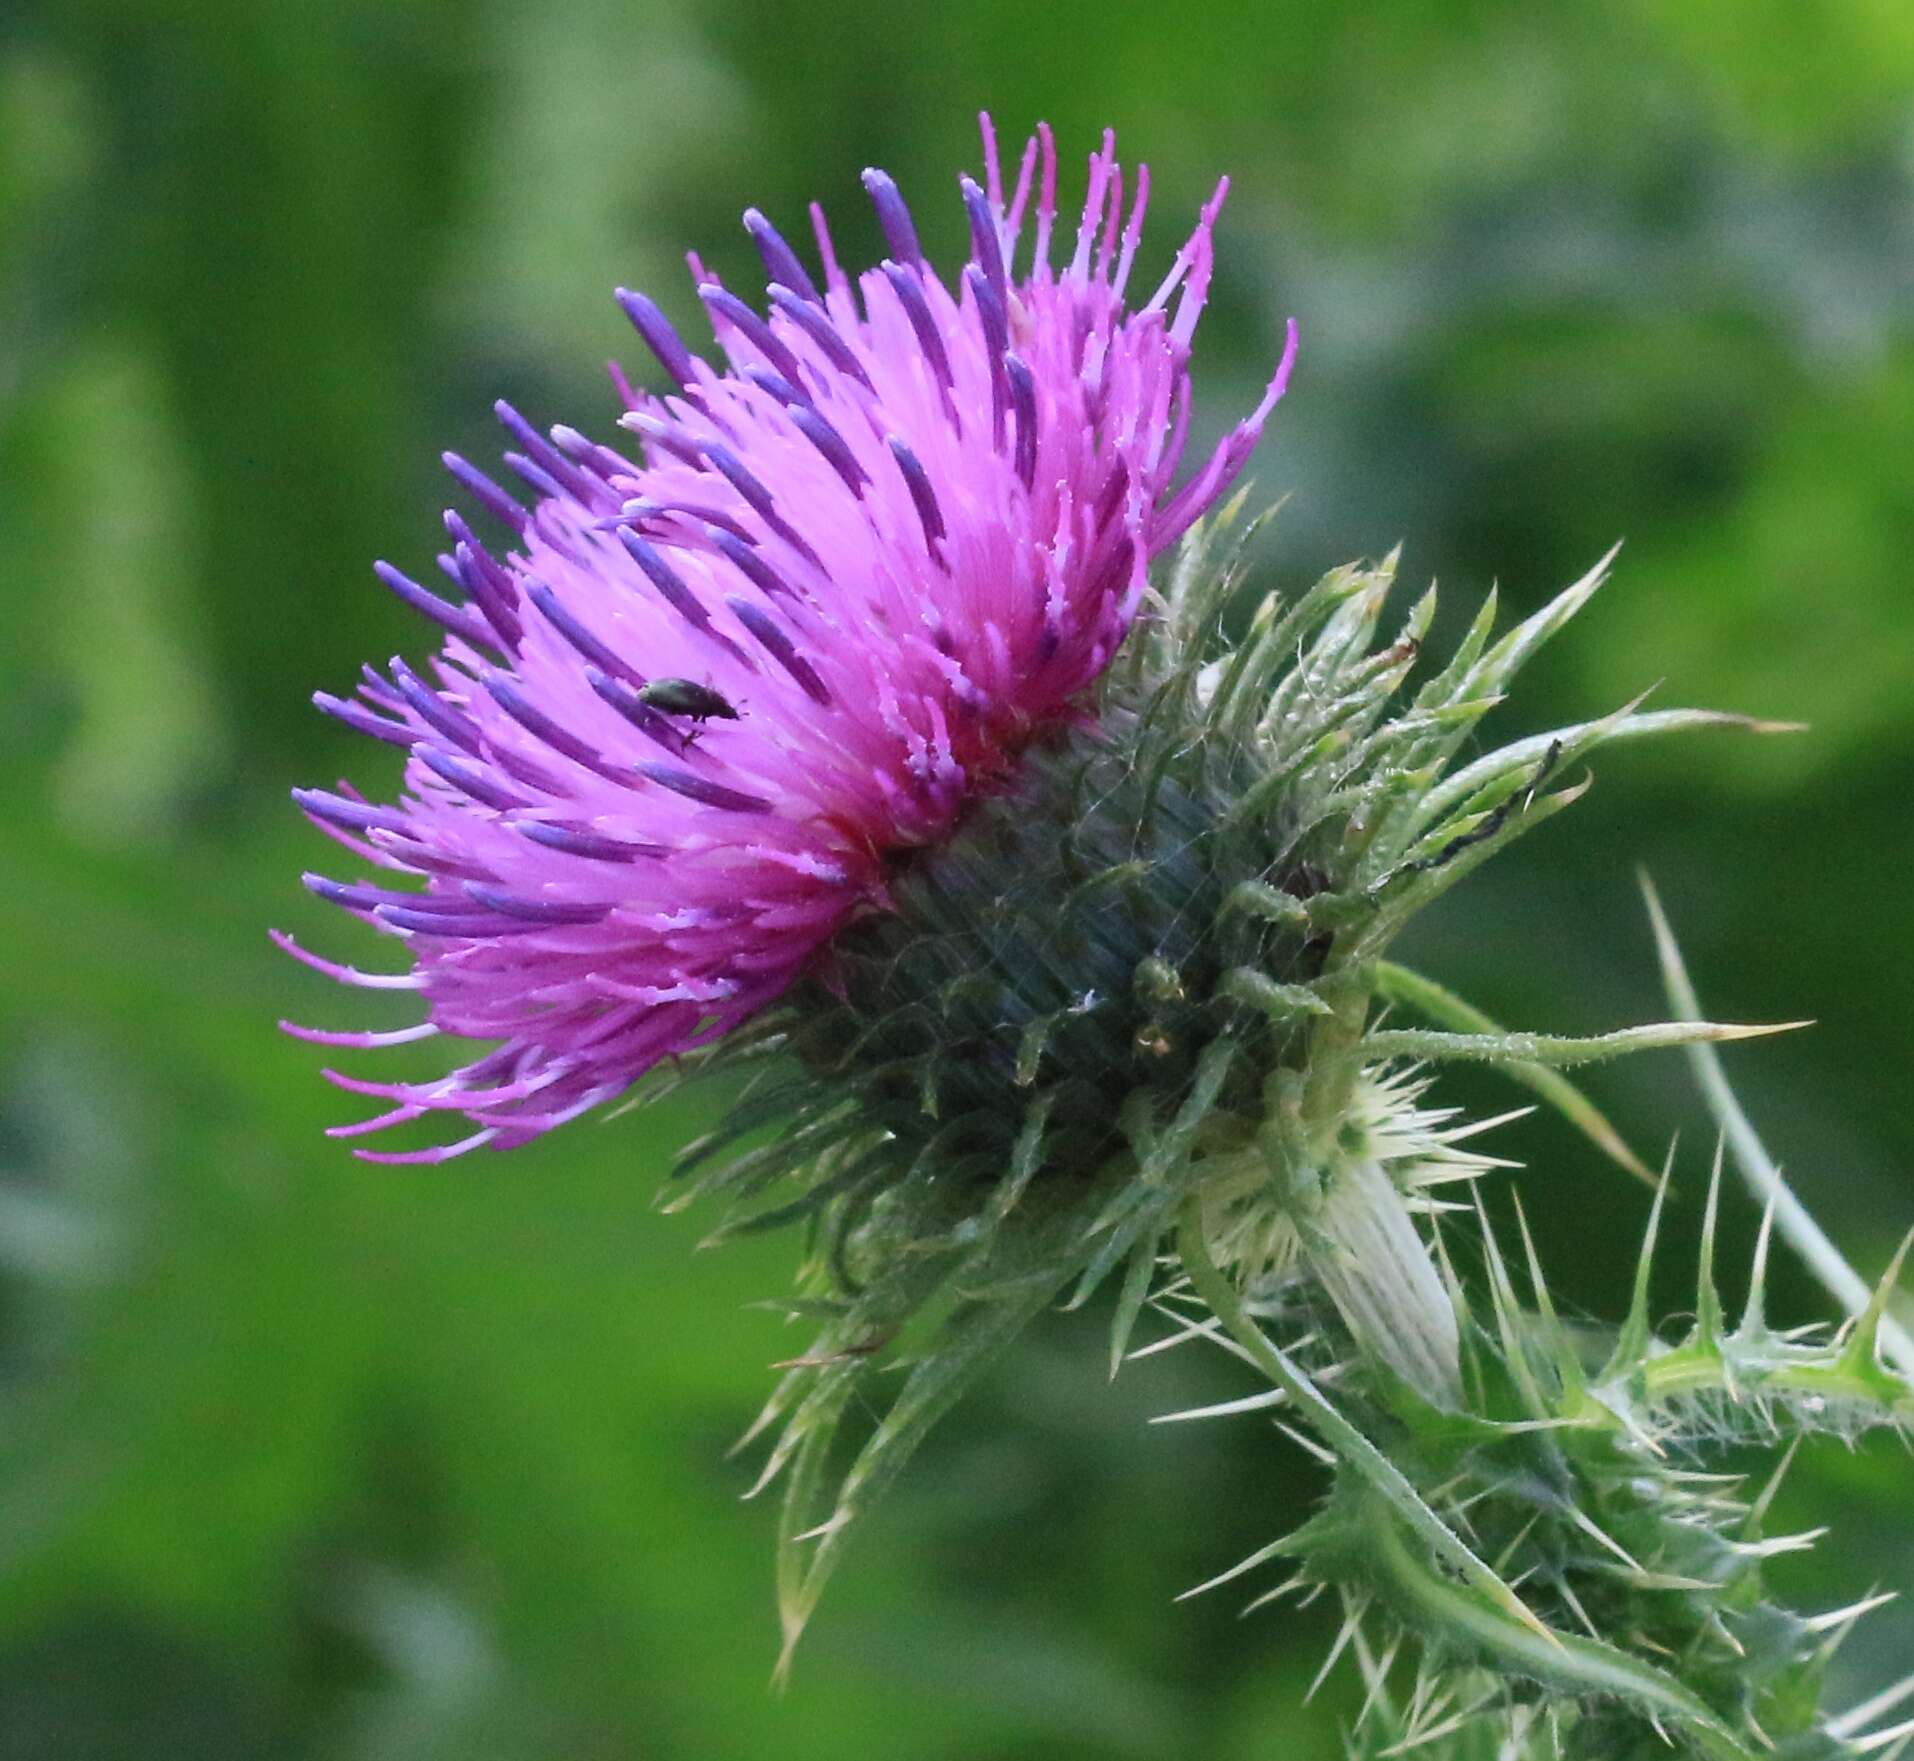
300	1458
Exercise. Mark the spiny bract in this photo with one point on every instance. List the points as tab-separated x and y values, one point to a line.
1151	973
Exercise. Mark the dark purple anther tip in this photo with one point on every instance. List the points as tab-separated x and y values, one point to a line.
620	696
833	446
732	469
991	313
474	926
659	337
362	721
449	617
910	295
553	911
584	451
530	472
991	310
542	727
780	261
491	589
530	772
579	485
777	385
697	788
347	814
816	323
353	898
923	496
986	248
469	779
459	530
433	710
590	845
665	578
893	217
665	436
748	563
487	493
583	642
1023	401
781	649
359	897
700	514
750	326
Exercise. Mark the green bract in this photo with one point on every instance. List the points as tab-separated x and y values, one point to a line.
1138	1022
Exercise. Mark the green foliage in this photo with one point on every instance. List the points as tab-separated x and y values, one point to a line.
299	1460
1581	1466
1146	975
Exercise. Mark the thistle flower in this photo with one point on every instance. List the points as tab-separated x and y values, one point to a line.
691	725
828	741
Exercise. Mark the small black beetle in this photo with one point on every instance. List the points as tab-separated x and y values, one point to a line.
686	697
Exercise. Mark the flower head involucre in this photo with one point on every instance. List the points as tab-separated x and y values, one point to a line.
680	733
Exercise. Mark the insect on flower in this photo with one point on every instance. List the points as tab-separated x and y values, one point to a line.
687	698
909	520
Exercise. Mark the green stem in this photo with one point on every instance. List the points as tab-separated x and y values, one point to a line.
1487	1611
1574	1665
1337	1431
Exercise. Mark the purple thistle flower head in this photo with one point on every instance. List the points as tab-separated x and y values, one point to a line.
679	733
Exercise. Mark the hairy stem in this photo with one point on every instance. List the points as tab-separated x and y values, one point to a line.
1350	1445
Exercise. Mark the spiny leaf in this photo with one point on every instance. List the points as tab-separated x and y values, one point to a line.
1523	755
1764	1499
1448	810
1515	649
1172	1150
1276	642
814	1198
1355	1449
1508	1317
1754	1323
1857	1718
1225	1408
1409	891
1567	1367
1135	1292
1260	899
967	1347
1864	1344
1796	1223
1352	1622
1262	1556
1894	1740
1450	689
1708	1327
1631	1344
1025	1159
1557	1050
1569	1664
1444	1007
